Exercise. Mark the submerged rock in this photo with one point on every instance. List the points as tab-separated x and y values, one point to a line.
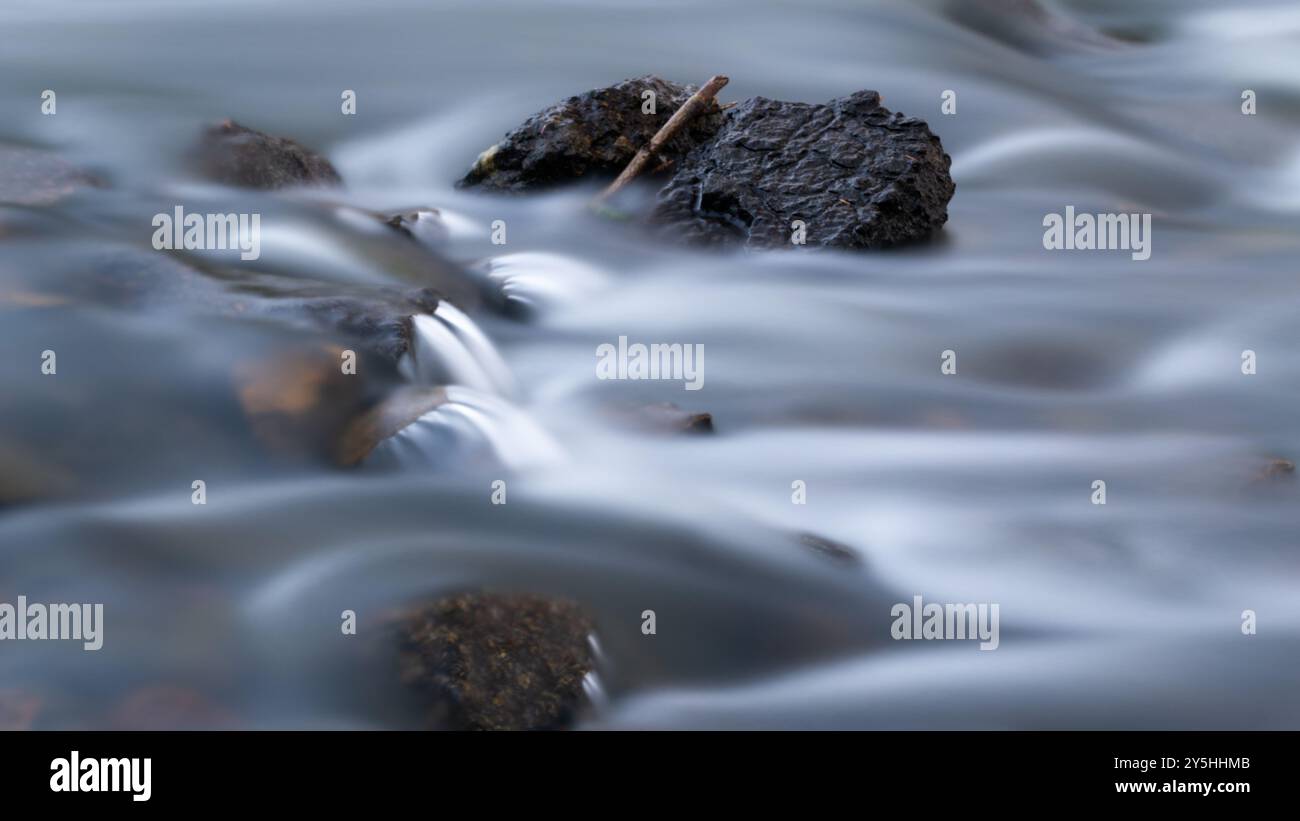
235	155
591	134
1276	470
19	709
664	417
377	318
497	661
166	707
828	548
766	174
30	176
373	318
27	476
854	173
299	401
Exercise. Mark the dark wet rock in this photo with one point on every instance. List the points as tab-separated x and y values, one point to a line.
666	417
856	174
594	134
828	548
30	176
420	224
375	319
27	476
497	661
232	154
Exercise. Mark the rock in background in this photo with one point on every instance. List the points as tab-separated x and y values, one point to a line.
497	661
591	134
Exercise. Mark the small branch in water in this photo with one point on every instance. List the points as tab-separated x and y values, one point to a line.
692	107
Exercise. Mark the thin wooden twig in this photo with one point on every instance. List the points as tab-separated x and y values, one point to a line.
692	107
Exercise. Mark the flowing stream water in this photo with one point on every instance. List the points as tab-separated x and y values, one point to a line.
820	368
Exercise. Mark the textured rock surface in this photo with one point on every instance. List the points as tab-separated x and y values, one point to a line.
235	155
591	134
30	176
495	661
857	174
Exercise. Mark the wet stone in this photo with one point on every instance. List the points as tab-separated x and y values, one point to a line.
856	174
299	401
594	134
19	710
378	318
233	154
1276	470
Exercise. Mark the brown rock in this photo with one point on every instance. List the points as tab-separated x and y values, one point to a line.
497	661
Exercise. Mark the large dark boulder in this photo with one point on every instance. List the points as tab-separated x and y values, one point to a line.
855	173
594	134
233	154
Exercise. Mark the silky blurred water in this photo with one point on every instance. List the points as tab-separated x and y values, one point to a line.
820	367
